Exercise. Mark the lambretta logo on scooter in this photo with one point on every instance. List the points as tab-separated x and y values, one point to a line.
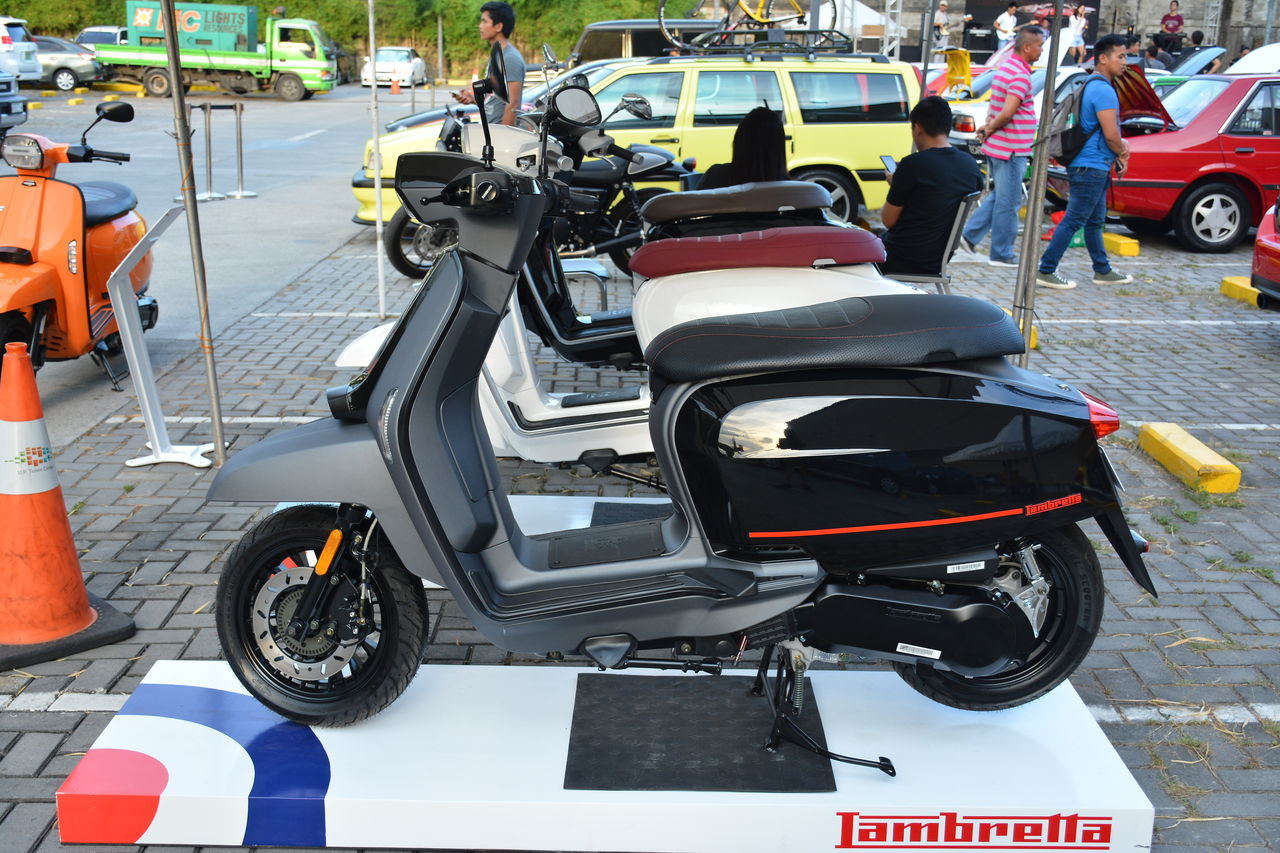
953	831
1056	503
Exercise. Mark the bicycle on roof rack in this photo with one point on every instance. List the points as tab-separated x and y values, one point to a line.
745	15
752	44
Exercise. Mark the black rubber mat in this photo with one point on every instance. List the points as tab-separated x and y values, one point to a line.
685	733
609	512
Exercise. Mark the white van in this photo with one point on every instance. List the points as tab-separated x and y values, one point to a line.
18	51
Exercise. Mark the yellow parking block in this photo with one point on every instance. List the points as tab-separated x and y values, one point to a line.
1188	459
1035	334
48	93
1239	287
35	105
117	87
110	97
81	90
75	102
1119	244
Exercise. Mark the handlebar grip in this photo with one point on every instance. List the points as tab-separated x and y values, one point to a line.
114	156
625	153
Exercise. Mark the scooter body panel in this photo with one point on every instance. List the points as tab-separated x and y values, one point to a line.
25	285
864	467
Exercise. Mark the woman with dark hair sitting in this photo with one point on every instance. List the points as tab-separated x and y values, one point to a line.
759	153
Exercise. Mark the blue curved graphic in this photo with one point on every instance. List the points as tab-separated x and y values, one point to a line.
290	767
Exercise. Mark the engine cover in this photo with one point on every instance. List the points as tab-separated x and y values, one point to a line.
961	630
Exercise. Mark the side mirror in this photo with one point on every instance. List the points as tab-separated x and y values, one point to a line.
576	105
638	106
115	111
548	55
498	74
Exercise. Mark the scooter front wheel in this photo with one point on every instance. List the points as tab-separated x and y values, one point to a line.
1066	560
355	659
413	248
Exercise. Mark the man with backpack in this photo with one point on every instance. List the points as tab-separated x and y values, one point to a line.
1089	164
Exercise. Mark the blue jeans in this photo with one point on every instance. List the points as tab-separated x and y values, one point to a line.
998	212
1087	209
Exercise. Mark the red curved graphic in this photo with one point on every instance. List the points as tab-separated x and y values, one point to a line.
111	797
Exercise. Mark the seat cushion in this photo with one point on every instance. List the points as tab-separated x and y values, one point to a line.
895	330
105	200
758	197
801	246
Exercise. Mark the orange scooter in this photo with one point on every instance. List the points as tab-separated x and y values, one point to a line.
59	243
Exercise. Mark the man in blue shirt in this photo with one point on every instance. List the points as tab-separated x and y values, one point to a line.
1089	173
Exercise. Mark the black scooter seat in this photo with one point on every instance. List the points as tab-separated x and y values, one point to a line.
105	200
893	330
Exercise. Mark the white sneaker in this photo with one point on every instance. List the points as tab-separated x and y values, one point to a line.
992	262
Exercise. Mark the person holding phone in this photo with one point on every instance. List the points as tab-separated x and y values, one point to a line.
925	191
497	20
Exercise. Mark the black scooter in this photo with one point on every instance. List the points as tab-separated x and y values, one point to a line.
868	476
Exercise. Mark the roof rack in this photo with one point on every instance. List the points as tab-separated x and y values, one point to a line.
750	42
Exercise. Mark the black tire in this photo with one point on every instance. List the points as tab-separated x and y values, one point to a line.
846	198
289	88
15	329
630	219
155	82
668	24
412	248
1067	561
1146	227
1212	217
64	79
374	672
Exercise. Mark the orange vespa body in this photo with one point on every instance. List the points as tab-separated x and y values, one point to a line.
59	243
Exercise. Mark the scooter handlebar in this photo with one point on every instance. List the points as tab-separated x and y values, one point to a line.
111	156
625	153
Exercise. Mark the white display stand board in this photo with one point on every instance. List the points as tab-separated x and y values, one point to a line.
474	757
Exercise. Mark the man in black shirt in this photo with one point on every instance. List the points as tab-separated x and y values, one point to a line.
925	192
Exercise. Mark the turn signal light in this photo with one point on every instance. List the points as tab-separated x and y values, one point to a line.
964	124
1105	419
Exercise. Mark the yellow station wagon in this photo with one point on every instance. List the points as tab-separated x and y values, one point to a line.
841	113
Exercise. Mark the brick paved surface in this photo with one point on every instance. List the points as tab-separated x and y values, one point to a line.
1185	686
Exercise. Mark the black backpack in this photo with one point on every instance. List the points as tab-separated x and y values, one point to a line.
1066	137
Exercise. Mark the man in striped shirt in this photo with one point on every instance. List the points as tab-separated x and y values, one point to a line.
1006	141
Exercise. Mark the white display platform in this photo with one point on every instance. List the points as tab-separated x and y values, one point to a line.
474	757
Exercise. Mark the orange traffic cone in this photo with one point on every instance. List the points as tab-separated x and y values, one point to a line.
1057	217
395	87
45	611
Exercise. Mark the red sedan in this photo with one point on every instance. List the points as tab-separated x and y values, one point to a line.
1215	172
1266	260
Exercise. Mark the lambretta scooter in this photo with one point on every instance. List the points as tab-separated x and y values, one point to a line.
776	433
59	243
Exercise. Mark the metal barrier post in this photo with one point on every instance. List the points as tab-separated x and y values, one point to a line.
124	303
208	194
240	192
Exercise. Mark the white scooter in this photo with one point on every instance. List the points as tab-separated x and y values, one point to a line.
675	280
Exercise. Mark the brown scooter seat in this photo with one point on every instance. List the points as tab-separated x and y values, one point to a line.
802	246
105	200
758	197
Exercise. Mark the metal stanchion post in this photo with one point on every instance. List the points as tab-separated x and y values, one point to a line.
240	192
208	194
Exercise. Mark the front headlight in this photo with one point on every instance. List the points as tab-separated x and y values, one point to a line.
22	152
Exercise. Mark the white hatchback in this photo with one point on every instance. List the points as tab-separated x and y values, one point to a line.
398	64
18	51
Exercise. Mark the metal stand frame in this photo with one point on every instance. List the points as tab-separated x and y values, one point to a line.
240	191
124	303
787	697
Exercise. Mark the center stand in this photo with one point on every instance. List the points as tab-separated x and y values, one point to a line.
787	696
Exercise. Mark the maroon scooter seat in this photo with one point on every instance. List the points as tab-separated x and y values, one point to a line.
801	246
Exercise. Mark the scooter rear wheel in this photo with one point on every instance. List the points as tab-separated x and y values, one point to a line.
1066	559
317	679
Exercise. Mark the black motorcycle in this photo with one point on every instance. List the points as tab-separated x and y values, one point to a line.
869	476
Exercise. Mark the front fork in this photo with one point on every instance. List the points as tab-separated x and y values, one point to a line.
346	555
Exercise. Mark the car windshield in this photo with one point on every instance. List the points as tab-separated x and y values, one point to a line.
1197	60
17	32
96	37
593	74
393	54
1185	102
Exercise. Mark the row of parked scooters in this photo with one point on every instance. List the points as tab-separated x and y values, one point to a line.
854	467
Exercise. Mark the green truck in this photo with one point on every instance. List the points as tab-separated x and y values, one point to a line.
219	44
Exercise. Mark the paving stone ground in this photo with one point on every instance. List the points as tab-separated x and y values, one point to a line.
1185	686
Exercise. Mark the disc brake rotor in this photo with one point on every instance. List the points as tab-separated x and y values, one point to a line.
430	242
311	657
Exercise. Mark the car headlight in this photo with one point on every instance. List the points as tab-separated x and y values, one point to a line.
22	152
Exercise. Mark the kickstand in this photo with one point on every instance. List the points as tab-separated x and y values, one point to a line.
102	357
787	697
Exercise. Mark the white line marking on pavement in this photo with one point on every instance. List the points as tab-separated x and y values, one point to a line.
302	136
1099	321
310	314
228	419
1238	427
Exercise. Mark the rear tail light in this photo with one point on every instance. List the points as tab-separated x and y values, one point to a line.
1105	420
964	124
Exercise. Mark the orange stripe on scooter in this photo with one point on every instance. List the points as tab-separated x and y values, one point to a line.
870	528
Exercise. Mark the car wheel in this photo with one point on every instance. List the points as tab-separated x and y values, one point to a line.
1146	227
1212	218
64	80
845	197
289	88
156	84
